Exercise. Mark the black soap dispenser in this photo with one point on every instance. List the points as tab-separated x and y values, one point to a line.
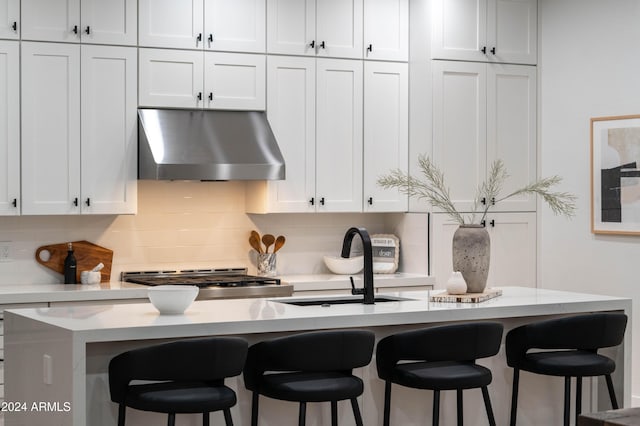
70	266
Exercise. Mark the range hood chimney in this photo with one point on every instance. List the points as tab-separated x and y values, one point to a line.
179	144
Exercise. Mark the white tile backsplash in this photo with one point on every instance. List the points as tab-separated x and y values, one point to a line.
200	224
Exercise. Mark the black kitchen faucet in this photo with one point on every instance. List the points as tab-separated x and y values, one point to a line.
367	290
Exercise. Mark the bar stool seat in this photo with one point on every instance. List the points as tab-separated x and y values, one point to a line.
565	347
438	359
173	397
309	367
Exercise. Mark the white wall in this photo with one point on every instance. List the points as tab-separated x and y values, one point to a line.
198	225
589	66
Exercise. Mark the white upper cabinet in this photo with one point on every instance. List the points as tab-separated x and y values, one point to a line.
235	25
234	81
195	79
89	21
485	30
50	128
51	20
54	141
109	131
10	19
226	25
331	28
339	135
386	126
483	112
386	29
9	128
171	78
109	22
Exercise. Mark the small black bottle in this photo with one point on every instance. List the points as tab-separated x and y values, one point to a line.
70	266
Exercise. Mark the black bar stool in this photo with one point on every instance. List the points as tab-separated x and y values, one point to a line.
309	367
188	377
437	359
570	350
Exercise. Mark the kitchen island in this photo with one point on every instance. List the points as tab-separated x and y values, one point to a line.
57	358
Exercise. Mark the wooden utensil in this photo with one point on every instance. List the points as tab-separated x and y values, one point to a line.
268	240
255	234
255	243
279	243
87	256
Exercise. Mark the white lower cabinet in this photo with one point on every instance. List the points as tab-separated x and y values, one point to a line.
9	127
195	79
69	168
513	248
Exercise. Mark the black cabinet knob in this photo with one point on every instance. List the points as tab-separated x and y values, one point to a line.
199	96
210	38
483	201
370	48
322	201
484	49
87	30
88	202
322	45
75	201
493	50
14	26
312	201
211	96
14	203
370	201
199	38
75	29
312	44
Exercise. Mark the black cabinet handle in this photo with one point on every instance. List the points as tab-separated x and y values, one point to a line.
492	222
370	48
322	201
14	203
210	96
322	45
14	26
493	50
75	29
312	201
484	49
75	201
88	202
210	38
199	38
199	96
370	201
312	44
483	201
87	30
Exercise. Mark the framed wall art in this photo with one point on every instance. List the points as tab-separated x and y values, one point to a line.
615	175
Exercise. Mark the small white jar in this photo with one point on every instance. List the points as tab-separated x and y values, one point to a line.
90	277
456	284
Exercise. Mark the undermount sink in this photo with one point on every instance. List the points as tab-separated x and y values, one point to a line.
339	300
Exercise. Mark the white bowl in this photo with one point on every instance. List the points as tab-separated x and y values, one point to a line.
172	299
344	265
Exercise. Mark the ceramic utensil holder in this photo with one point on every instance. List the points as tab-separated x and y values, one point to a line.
267	264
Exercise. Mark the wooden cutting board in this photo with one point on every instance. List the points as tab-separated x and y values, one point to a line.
87	256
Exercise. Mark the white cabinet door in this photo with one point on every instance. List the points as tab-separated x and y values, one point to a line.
171	24
386	29
339	135
51	20
291	27
9	127
291	111
109	22
171	78
511	129
50	128
235	25
10	19
459	127
485	30
513	249
459	29
109	129
512	31
386	127
235	81
339	28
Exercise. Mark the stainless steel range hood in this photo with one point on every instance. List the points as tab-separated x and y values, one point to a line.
207	145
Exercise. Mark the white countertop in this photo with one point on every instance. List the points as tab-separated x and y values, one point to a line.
246	316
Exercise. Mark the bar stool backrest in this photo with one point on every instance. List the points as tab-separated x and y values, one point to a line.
208	359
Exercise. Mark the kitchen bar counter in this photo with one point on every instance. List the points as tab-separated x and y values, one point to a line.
69	348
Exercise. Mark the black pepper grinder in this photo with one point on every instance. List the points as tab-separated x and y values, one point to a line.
70	266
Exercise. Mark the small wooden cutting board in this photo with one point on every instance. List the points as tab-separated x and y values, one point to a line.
488	293
87	255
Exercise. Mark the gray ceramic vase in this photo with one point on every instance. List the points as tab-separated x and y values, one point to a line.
471	253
